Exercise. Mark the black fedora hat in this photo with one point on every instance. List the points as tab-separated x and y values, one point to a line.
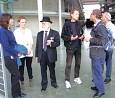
46	19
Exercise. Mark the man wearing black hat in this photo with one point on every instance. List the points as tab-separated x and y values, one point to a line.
46	53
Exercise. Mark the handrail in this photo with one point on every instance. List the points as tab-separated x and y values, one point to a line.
4	90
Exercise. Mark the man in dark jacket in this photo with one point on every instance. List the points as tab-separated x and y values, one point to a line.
46	53
72	34
97	52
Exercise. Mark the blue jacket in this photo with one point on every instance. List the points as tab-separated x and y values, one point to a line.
10	47
21	49
8	42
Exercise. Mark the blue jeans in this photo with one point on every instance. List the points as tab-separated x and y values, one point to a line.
97	73
108	64
18	97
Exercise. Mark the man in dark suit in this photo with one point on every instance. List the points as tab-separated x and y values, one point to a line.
46	53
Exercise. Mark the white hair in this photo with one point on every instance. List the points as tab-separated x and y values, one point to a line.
107	15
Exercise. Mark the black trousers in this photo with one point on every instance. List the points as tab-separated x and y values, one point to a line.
28	66
77	54
44	63
12	67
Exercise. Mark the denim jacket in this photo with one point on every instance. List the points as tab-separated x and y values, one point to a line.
21	49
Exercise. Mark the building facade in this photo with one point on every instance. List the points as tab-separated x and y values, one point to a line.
34	10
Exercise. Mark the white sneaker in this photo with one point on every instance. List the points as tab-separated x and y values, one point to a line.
67	84
78	80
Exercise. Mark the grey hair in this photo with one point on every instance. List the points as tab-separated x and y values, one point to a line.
107	15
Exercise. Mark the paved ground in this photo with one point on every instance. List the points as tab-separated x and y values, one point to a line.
77	91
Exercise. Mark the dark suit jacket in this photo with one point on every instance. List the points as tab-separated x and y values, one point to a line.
98	34
51	50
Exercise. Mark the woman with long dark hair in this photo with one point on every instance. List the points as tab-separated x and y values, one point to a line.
8	42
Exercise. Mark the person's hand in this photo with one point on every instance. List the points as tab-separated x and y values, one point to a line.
19	54
49	42
37	59
29	52
73	38
81	37
87	39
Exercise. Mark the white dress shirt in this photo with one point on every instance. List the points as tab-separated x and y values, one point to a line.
111	27
44	35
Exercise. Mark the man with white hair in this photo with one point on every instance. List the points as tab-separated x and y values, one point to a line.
106	19
46	53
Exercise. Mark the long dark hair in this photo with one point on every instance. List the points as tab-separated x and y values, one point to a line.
4	20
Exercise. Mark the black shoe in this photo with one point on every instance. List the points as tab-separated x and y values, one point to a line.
107	81
55	86
23	94
98	94
94	88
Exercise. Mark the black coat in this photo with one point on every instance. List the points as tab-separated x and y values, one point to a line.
51	50
67	33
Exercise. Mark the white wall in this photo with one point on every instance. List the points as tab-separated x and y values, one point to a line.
88	9
48	5
55	24
22	5
32	20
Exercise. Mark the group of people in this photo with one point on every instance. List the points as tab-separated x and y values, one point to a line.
72	34
46	53
22	39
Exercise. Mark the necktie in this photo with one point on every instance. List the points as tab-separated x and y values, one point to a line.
45	41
